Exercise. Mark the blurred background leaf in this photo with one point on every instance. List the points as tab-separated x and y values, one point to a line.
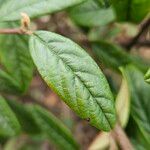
147	76
131	10
36	120
9	125
90	14
33	8
113	56
140	103
16	62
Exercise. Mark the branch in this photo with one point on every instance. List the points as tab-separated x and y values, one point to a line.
134	41
121	137
11	31
24	29
143	43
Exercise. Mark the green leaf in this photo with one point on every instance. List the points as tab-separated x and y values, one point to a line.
35	120
103	3
53	128
25	117
136	136
131	10
147	76
10	10
140	100
90	14
19	66
123	104
9	125
75	77
114	56
8	84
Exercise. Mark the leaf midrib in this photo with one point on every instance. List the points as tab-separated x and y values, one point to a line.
41	40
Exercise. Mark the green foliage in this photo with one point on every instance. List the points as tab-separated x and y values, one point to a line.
140	103
63	65
114	56
131	10
9	125
18	69
123	103
11	9
147	76
71	72
53	128
25	117
91	14
35	120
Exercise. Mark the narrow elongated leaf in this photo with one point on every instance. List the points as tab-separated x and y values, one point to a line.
9	125
147	76
123	103
11	9
90	14
8	84
25	117
136	136
140	100
114	56
75	77
35	120
19	66
53	128
131	10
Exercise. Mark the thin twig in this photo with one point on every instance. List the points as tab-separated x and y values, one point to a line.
14	31
121	137
145	43
11	31
135	40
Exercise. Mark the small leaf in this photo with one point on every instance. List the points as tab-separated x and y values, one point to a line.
9	125
140	100
11	9
123	103
19	66
131	10
53	128
75	77
90	14
114	56
147	76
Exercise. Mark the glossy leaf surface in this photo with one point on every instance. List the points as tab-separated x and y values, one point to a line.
75	77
